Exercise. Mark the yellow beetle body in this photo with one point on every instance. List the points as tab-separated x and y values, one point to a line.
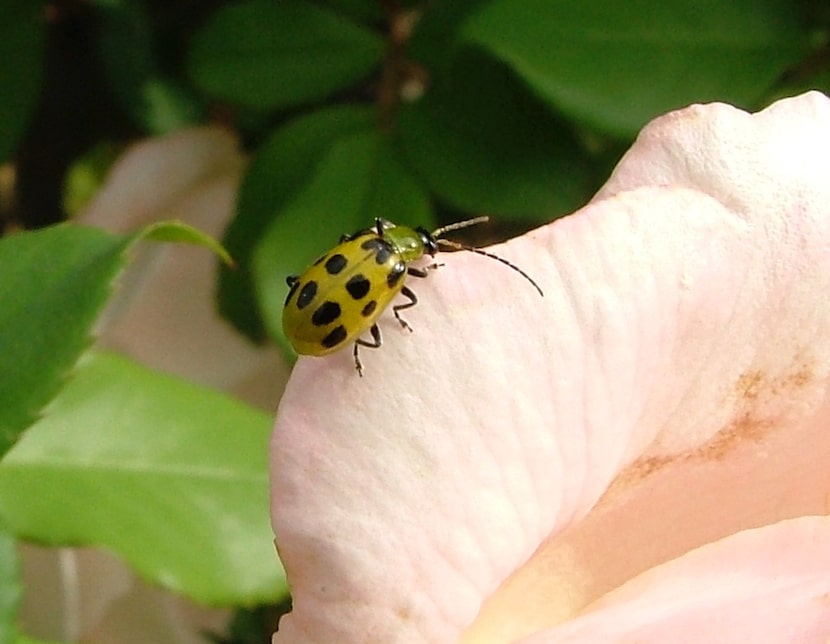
343	293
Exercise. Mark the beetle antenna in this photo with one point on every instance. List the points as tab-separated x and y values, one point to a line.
455	245
460	224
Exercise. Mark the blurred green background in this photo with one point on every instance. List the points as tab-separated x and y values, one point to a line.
421	112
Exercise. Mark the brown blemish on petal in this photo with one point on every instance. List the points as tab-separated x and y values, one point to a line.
800	378
749	385
761	404
744	429
644	467
404	613
638	471
754	384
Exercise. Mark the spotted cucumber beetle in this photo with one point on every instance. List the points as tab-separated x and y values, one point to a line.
344	292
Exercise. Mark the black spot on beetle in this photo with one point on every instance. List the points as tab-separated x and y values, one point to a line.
383	256
395	275
327	313
334	338
358	286
373	243
335	264
383	249
369	308
307	294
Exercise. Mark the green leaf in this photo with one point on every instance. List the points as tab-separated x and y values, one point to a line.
254	625
55	283
269	55
21	61
10	589
483	142
171	476
436	34
359	179
127	41
365	11
812	79
169	105
616	65
127	54
178	232
282	166
86	175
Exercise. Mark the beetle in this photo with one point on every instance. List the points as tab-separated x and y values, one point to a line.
346	290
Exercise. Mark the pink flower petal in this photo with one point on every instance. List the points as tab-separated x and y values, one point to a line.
680	326
770	585
156	177
769	458
166	314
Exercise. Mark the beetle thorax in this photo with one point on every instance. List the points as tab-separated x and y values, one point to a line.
407	242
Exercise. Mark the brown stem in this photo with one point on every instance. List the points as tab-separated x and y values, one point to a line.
399	29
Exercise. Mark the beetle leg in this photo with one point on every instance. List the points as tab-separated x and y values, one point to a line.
422	271
375	344
413	300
